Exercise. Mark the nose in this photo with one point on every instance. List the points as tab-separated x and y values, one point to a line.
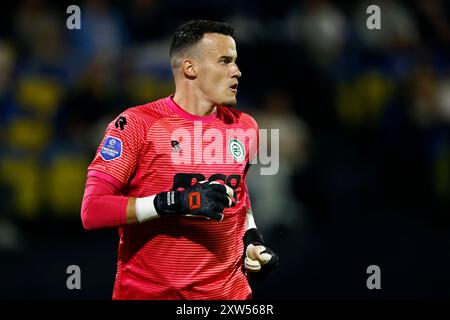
236	73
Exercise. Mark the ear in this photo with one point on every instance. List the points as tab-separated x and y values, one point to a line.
189	68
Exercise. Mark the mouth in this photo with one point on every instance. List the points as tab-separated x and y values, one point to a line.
234	87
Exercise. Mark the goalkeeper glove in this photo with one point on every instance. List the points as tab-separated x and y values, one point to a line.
204	199
258	260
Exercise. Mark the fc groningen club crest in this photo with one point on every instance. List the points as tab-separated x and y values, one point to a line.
237	150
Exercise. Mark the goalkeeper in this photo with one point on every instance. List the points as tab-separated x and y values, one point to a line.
182	210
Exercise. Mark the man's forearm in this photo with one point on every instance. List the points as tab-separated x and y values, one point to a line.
250	220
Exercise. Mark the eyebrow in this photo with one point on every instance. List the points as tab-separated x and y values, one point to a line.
228	57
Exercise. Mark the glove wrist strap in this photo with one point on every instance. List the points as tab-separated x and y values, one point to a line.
167	202
253	236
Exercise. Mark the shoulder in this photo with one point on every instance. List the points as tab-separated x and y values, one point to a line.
235	116
249	120
143	115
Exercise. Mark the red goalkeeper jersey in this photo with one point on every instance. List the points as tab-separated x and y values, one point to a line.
158	147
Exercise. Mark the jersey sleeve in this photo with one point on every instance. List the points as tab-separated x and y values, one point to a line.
120	147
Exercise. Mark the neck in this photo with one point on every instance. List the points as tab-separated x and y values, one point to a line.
192	102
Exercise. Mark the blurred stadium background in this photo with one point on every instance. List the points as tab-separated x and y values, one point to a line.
364	119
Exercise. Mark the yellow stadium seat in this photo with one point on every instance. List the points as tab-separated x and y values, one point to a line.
42	95
66	179
24	178
28	134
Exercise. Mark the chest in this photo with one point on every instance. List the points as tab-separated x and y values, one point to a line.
190	151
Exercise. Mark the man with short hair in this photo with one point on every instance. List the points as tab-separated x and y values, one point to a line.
170	174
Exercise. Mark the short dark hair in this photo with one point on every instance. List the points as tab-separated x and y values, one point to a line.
190	33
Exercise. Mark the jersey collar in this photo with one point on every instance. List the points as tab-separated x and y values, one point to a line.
186	115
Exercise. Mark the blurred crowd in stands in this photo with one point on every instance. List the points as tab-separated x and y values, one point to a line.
364	115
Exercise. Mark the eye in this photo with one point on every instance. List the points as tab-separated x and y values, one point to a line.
225	60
